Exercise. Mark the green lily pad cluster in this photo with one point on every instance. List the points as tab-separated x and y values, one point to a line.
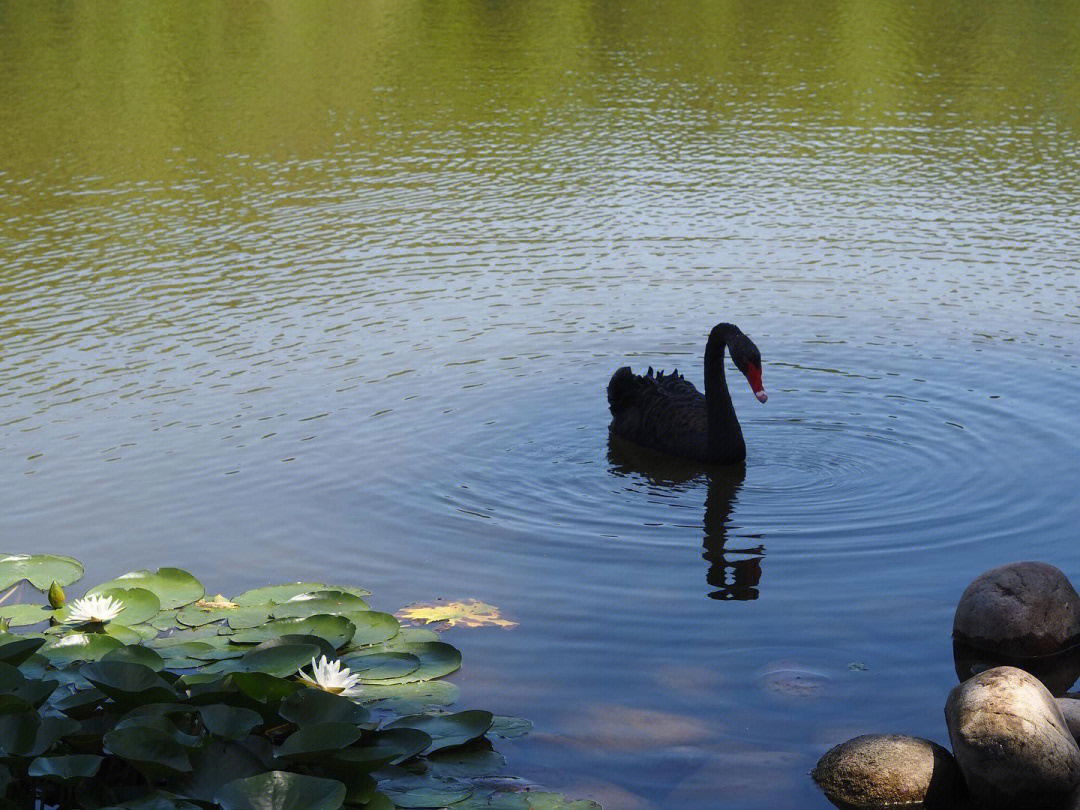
152	696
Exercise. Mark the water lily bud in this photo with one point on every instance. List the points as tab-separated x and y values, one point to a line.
5	624
56	595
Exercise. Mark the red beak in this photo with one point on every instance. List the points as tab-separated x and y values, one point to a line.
753	375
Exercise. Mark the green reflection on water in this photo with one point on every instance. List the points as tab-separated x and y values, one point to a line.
135	90
177	141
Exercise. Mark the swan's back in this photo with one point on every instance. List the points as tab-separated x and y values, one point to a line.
662	411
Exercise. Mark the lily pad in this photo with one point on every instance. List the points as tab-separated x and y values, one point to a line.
372	627
333	603
362	759
40	570
381	666
230	722
81	704
466	763
276	594
525	800
128	683
189	640
35	692
15	650
50	731
498	801
165	620
22	615
539	800
211	635
172	586
436	660
510	727
159	800
123	633
388	750
359	787
447	730
238	616
281	790
152	751
217	653
307	707
411	698
136	654
145	631
10	678
280	661
406	635
18	730
186	649
217	763
317	740
79	647
162	723
415	635
379	802
425	791
338	630
64	767
295	638
262	687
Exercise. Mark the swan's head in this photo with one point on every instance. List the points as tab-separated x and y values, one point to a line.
747	359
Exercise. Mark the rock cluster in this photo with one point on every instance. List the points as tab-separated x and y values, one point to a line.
1017	645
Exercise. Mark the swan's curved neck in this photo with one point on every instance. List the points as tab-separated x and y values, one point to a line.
725	444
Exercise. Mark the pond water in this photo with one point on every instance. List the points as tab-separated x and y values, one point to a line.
333	291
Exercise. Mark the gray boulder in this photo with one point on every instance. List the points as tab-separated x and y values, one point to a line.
1019	609
1070	710
1011	741
885	770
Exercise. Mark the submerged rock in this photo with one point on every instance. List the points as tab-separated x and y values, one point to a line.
792	680
885	770
1011	741
1019	609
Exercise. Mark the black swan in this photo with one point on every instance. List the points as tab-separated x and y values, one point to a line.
666	413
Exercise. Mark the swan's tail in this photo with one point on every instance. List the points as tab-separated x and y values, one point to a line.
622	389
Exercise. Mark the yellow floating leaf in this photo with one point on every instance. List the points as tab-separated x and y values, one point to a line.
218	601
468	614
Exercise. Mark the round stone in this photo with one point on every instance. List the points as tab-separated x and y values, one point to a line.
1019	609
1011	740
885	770
1070	710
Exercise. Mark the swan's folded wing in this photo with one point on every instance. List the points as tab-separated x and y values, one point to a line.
672	417
679	390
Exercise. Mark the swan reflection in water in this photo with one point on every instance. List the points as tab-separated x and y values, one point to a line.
733	573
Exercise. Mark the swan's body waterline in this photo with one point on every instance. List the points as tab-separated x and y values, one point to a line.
667	413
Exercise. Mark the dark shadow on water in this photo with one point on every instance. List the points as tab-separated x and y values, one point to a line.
1058	672
733	573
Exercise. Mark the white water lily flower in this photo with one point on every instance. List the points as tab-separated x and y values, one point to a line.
94	609
331	677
